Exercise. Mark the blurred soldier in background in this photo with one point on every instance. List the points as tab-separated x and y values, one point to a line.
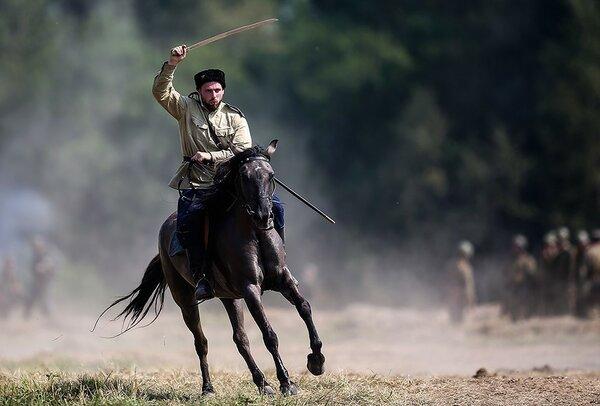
548	269
590	290
550	248
579	270
522	281
43	271
11	290
560	280
460	283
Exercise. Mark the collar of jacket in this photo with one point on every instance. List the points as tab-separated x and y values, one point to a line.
196	96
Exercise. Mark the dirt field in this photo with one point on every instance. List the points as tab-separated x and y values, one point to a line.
375	355
181	387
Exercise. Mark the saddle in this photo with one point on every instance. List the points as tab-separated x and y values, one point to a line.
175	247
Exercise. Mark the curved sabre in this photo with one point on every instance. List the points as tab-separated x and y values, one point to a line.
231	32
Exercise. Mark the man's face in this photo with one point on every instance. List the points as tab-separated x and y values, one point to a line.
212	94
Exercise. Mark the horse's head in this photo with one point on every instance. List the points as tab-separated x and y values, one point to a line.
257	185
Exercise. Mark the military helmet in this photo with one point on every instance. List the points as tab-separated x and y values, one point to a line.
583	237
520	241
550	238
466	248
563	233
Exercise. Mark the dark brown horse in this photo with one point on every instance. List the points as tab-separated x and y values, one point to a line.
248	258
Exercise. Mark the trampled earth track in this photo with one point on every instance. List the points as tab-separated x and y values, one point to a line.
375	355
182	387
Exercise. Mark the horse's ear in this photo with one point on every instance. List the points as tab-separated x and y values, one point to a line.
271	148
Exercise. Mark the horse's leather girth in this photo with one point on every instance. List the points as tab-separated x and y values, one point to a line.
206	228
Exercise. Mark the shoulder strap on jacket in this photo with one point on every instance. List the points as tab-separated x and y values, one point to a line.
236	109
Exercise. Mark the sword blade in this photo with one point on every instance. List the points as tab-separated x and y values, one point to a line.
231	32
303	200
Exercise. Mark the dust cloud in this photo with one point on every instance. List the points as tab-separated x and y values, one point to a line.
360	338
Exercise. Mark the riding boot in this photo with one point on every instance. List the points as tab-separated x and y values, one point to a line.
198	267
203	289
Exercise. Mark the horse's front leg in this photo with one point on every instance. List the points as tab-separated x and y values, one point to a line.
254	303
236	317
289	290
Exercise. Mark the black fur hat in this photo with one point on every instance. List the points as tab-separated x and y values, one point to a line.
209	75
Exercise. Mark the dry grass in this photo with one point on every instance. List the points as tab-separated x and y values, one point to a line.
375	356
182	387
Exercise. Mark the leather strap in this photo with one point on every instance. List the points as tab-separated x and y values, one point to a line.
212	133
206	228
211	129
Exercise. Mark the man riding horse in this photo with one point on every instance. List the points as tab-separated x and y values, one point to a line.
247	254
209	131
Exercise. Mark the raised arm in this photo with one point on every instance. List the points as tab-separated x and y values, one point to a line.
163	89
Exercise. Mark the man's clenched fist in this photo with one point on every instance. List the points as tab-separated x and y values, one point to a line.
201	157
177	54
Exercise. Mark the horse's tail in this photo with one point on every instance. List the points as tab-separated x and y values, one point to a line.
149	294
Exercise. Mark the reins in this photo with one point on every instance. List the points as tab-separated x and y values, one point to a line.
190	164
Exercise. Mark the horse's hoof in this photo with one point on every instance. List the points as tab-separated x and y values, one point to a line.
316	363
289	389
266	391
208	392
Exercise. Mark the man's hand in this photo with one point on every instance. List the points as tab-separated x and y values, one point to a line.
201	157
178	54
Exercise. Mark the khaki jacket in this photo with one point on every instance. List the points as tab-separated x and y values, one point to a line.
461	282
522	270
228	122
592	262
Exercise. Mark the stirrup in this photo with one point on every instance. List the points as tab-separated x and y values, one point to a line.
203	290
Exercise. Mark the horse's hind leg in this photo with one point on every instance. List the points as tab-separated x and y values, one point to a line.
191	316
183	294
254	303
236	316
289	290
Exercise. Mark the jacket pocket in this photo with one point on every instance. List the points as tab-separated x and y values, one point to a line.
225	135
199	123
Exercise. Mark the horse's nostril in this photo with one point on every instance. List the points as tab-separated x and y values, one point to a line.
262	217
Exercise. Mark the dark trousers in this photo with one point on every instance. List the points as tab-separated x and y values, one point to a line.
278	212
190	218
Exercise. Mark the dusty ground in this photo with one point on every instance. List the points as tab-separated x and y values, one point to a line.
374	355
360	338
181	387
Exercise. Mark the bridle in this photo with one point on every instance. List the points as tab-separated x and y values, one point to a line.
262	196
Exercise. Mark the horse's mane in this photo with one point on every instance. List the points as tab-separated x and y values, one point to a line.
226	171
231	166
